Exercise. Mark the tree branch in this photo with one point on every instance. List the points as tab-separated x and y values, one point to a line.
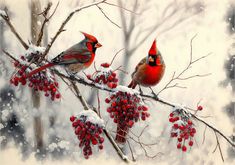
86	107
61	29
8	21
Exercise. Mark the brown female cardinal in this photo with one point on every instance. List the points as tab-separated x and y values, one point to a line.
78	57
148	72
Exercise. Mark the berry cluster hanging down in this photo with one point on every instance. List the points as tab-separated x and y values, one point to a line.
126	107
104	75
88	129
42	81
182	128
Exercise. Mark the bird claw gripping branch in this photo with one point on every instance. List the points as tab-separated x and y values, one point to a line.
41	81
88	129
182	127
104	75
125	108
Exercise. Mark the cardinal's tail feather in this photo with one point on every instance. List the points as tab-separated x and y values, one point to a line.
132	85
40	69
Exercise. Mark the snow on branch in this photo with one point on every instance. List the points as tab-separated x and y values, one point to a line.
87	108
150	96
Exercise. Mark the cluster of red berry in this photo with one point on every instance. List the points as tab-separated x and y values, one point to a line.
40	81
126	108
88	134
182	128
105	75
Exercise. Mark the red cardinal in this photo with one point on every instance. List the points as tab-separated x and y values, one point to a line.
78	57
148	72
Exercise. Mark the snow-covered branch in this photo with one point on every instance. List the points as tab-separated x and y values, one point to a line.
146	95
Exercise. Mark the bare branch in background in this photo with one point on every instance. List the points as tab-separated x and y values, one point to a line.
178	77
8	21
169	18
44	14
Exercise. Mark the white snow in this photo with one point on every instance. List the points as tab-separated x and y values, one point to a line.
5	114
64	144
2	12
92	117
34	49
52	147
1	126
126	89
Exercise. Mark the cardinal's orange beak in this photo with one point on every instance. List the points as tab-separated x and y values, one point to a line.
151	59
98	45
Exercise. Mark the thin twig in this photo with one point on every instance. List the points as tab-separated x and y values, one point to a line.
8	21
191	62
44	13
61	29
101	10
116	55
218	144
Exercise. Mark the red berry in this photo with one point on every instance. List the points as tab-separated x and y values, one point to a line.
72	118
54	90
182	135
107	100
176	118
23	82
171	114
11	81
147	114
15	63
101	140
94	142
106	65
110	85
16	83
143	117
23	67
57	96
110	78
200	108
192	134
101	147
191	143
46	94
181	127
175	126
22	57
130	123
139	108
179	146
190	122
100	130
97	135
74	124
46	82
194	130
114	104
179	139
171	120
86	157
184	148
114	85
114	74
105	81
24	76
115	79
16	78
56	84
145	108
186	137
